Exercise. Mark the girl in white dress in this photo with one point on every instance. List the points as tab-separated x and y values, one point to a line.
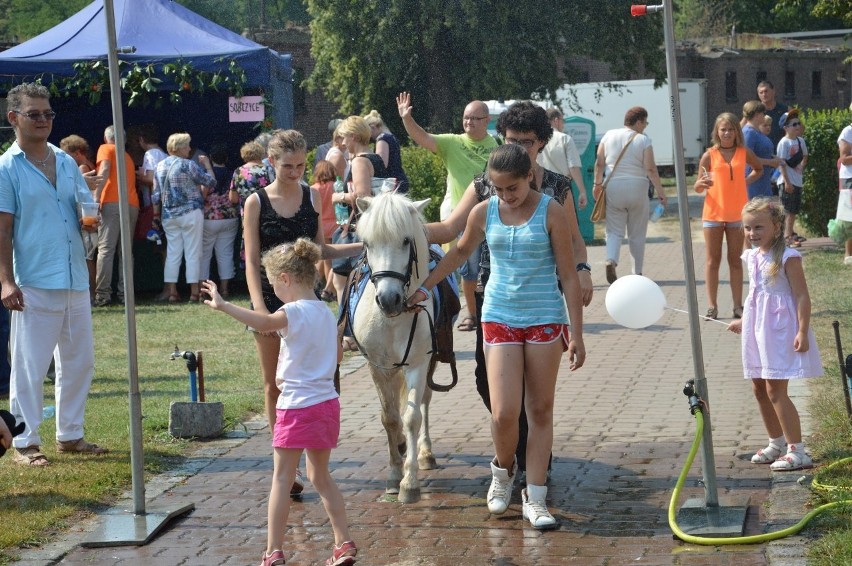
777	342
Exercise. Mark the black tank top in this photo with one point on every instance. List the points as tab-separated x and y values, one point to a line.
276	230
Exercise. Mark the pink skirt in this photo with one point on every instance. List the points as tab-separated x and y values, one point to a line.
315	428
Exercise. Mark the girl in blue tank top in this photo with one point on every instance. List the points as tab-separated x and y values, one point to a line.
523	319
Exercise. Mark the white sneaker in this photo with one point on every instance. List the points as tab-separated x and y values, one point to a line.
535	508
847	260
502	483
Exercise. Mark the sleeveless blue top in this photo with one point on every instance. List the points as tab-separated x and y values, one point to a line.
522	290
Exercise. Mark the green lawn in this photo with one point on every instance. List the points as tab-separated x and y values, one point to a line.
830	285
38	502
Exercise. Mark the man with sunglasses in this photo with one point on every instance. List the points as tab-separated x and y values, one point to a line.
43	277
465	156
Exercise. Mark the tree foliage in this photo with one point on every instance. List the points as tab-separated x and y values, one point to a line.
25	19
838	10
699	18
448	52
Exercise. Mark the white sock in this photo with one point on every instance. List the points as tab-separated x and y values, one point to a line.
779	442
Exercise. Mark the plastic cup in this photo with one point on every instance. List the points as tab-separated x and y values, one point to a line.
89	213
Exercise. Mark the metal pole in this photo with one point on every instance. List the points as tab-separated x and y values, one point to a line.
136	454
708	461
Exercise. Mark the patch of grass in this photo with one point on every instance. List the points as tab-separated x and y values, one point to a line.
831	296
38	502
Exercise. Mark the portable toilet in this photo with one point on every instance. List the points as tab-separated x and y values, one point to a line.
582	130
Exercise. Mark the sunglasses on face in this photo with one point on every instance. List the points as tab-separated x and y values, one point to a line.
37	116
794	124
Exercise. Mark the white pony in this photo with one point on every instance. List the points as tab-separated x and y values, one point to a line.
397	342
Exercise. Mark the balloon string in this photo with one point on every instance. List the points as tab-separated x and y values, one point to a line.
699	316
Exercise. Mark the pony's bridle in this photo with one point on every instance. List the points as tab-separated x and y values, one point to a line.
404	277
406	284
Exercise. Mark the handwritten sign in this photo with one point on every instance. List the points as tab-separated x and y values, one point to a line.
246	109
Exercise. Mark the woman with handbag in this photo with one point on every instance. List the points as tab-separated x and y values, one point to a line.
363	166
626	158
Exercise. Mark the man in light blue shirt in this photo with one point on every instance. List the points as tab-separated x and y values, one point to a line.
43	277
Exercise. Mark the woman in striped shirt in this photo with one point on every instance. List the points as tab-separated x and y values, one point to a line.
524	321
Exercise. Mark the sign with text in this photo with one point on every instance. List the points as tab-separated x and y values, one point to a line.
245	109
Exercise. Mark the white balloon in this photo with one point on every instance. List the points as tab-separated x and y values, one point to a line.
635	301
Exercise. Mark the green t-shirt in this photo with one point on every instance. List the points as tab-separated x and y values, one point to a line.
465	159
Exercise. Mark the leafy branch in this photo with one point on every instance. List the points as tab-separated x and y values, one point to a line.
147	83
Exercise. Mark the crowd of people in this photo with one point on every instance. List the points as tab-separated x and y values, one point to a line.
510	207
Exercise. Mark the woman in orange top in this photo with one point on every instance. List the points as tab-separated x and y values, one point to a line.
324	175
724	178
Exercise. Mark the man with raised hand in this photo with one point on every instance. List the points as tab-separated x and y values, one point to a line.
465	156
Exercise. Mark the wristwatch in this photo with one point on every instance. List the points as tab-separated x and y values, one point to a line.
583	266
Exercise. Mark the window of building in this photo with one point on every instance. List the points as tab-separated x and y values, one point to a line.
816	84
789	84
731	86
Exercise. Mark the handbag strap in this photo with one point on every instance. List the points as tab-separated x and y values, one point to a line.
617	161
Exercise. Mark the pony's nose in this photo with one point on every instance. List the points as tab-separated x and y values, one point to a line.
390	303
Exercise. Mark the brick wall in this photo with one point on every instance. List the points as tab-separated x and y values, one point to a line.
807	79
312	110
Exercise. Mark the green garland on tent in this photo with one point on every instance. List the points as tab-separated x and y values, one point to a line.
147	83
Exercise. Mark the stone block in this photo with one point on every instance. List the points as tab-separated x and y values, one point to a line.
195	420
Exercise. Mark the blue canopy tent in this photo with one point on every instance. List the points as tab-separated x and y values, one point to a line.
161	31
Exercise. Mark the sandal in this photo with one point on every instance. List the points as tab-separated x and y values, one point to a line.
712	312
194	298
467	324
799	238
343	554
349	344
328	296
792	243
767	455
792	461
738	312
274	559
30	456
79	446
168	298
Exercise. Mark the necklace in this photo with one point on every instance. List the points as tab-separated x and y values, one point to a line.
723	147
40	162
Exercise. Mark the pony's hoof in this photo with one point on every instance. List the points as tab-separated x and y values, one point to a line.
409	495
392	486
427	462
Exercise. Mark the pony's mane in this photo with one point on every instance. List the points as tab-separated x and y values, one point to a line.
389	216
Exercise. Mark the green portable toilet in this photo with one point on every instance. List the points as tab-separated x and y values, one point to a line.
583	132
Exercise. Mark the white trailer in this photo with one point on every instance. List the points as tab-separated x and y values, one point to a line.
606	103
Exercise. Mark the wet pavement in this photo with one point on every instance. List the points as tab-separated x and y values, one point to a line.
622	432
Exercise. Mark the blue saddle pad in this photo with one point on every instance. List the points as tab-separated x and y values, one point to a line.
355	291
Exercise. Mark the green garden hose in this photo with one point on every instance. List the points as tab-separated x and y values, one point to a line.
753	539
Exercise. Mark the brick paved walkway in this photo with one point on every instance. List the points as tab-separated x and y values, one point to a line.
621	434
